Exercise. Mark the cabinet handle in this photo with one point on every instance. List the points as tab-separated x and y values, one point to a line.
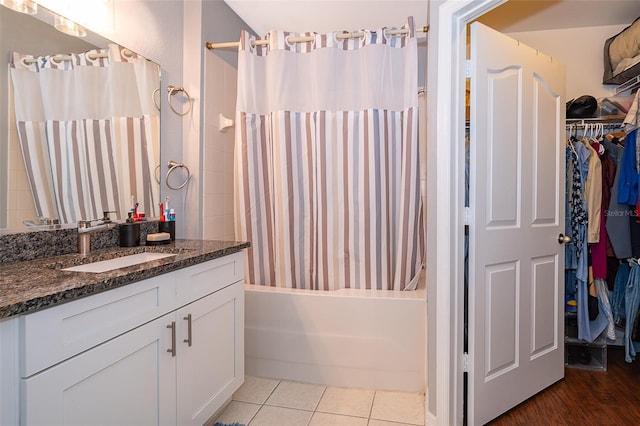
188	340
172	326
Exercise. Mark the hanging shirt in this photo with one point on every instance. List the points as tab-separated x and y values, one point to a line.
628	185
617	214
593	194
570	250
599	249
579	170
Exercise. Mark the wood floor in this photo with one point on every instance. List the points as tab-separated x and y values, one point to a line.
585	397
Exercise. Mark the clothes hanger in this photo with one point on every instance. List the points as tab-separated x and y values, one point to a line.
600	138
586	134
568	136
571	139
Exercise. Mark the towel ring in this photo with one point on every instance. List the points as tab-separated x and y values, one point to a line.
172	166
172	90
156	174
155	97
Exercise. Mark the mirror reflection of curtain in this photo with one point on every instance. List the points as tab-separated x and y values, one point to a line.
86	124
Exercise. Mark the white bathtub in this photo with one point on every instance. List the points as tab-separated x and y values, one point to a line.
347	338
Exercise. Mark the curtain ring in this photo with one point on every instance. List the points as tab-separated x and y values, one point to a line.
172	90
172	166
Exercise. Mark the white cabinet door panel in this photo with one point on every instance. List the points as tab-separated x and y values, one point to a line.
129	380
212	368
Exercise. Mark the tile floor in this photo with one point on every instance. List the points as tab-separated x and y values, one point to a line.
269	402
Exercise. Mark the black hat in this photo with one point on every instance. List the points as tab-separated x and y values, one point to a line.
582	107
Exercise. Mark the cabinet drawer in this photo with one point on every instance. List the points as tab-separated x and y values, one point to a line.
205	278
55	334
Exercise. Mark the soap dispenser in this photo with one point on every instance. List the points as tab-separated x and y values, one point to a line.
129	232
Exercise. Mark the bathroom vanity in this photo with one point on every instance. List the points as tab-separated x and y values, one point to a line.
159	342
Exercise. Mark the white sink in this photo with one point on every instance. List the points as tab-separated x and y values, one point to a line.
118	262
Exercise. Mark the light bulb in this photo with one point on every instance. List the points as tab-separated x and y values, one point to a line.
69	27
23	6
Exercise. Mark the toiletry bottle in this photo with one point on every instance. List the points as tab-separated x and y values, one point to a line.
129	232
172	215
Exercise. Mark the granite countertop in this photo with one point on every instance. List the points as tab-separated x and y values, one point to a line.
37	284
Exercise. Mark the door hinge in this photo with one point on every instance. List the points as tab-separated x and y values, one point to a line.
467	69
467	216
465	362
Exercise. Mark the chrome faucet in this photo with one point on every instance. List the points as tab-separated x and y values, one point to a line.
86	228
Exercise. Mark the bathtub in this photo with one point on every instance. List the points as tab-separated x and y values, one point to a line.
346	338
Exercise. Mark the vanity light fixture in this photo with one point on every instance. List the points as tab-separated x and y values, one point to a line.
29	7
67	26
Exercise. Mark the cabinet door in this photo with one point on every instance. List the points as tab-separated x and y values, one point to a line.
129	380
212	368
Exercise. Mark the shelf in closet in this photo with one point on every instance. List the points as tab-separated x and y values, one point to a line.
585	356
631	84
575	350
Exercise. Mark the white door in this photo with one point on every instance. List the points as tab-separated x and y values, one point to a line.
516	266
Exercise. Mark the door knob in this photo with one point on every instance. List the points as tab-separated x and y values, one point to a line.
564	239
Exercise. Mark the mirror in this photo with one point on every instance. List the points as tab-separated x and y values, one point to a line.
74	145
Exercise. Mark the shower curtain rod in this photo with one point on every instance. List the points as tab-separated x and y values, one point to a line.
212	46
60	58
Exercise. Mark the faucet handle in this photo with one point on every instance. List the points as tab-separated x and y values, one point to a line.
84	223
105	216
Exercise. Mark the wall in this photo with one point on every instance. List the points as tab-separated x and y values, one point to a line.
218	146
173	33
581	50
218	88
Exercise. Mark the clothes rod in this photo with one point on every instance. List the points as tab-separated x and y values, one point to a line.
583	125
227	44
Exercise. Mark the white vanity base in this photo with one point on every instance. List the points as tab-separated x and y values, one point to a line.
166	350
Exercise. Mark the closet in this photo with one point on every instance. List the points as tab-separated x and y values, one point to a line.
581	47
578	46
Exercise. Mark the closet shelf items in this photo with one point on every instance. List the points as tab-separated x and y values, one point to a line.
622	55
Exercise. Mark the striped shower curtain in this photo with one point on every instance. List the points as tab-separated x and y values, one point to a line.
327	179
87	126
